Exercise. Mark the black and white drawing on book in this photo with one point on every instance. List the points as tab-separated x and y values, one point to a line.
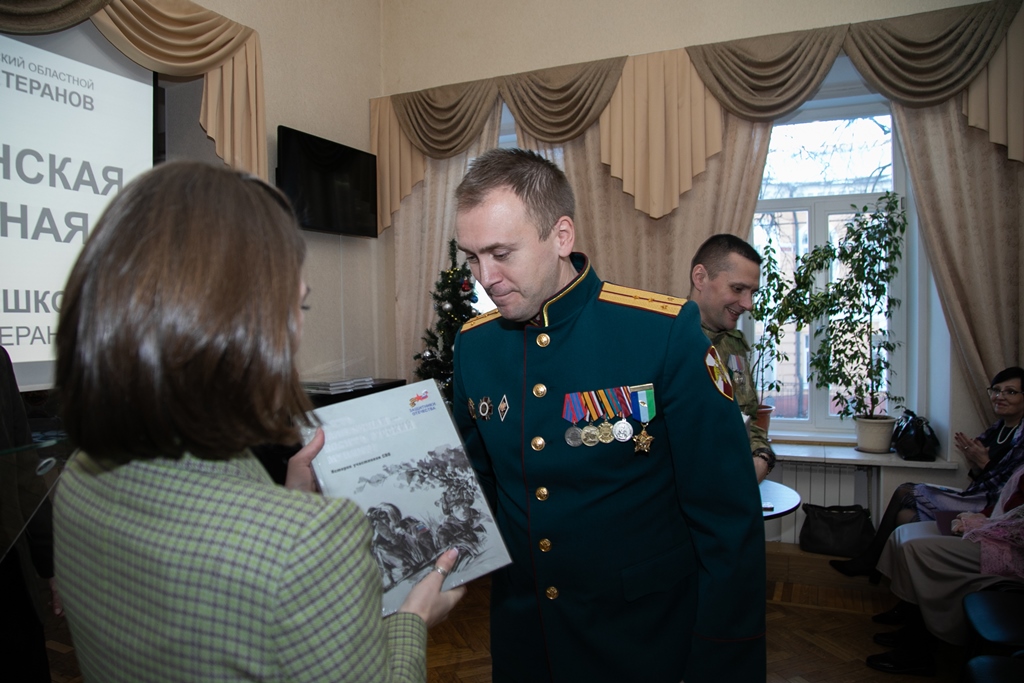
420	499
405	544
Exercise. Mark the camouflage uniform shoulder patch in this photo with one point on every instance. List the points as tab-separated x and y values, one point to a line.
642	299
480	320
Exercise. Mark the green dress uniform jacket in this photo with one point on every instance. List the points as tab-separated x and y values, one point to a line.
729	344
627	566
199	570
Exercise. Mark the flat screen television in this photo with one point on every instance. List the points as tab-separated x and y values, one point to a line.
333	187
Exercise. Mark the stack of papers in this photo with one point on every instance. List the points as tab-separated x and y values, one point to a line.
336	385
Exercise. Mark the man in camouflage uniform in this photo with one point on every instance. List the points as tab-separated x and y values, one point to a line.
724	274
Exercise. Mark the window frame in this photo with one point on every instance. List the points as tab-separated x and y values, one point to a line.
837	104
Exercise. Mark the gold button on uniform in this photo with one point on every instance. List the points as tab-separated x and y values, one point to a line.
545	545
537	443
540	391
542	493
543	340
551	592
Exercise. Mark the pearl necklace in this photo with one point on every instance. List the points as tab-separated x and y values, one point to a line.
1000	439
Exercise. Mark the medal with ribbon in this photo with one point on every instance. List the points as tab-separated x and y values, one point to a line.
619	398
604	430
641	400
590	432
572	410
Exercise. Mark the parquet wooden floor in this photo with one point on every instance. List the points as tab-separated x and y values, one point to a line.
819	630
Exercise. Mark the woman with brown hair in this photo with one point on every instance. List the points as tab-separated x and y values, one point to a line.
177	557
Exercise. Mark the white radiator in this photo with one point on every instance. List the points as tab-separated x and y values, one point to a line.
818	484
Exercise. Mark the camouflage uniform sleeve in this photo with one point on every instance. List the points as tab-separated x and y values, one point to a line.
743	383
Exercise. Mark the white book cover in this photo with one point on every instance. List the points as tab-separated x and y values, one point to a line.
398	454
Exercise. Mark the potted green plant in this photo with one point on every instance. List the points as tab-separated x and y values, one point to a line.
850	316
771	311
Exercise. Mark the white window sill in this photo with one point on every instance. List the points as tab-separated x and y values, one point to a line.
832	454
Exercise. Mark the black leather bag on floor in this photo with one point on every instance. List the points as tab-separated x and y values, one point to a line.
843	530
914	439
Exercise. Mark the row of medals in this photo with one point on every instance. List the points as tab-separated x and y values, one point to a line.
606	432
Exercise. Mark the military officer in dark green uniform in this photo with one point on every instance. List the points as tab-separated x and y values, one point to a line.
724	274
603	427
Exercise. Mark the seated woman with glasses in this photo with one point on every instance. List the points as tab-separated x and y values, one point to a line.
994	456
177	557
932	571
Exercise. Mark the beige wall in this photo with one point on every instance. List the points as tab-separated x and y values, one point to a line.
321	62
434	42
324	60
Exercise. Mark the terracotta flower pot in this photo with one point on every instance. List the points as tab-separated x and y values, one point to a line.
764	416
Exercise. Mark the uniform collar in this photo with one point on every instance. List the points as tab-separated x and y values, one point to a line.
715	336
571	298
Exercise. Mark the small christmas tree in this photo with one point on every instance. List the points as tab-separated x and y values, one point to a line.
453	298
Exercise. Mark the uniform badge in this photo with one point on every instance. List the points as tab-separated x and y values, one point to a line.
472	409
485	408
718	373
641	398
503	408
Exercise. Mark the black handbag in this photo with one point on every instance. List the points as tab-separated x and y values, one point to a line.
914	439
843	530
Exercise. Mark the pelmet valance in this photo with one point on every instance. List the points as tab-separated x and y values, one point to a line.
662	120
177	38
919	60
45	16
553	105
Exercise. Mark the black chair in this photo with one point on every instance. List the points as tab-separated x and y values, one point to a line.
996	620
994	669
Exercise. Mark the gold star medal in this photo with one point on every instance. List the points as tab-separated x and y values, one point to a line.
641	400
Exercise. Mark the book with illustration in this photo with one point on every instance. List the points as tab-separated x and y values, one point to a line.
398	454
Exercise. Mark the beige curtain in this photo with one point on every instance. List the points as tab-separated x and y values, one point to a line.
765	78
972	217
995	99
629	247
918	60
400	165
659	129
45	16
177	38
422	230
180	38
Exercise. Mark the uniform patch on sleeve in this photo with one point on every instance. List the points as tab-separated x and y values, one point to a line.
719	375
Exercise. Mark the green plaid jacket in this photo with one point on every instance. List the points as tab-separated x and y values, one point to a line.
194	570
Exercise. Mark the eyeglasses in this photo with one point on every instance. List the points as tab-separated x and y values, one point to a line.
1008	393
305	306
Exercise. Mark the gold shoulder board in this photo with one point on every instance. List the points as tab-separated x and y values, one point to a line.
639	298
480	320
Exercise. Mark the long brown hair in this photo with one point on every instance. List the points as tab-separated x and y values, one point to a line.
179	328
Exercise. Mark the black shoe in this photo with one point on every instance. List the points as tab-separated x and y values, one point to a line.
904	661
908	636
901	614
854	567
